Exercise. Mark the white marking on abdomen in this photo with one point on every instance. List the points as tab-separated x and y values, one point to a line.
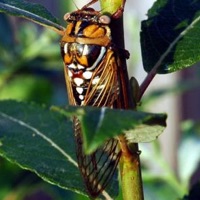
87	75
80	66
78	81
79	90
81	97
72	66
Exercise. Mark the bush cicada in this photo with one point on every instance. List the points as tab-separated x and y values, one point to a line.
94	77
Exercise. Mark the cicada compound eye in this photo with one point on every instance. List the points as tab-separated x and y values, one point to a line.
104	19
66	16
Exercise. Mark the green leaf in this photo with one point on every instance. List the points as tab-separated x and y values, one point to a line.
110	6
170	36
41	141
32	11
28	88
100	124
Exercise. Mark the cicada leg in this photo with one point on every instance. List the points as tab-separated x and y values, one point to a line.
99	167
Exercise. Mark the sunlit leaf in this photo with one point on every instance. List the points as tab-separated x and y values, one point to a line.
110	6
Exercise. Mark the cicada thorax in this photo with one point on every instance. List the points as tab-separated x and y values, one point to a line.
92	77
87	53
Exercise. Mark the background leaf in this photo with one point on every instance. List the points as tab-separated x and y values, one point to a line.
40	141
32	11
170	35
31	89
163	191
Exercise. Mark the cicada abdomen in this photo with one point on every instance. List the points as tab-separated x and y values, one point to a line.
94	77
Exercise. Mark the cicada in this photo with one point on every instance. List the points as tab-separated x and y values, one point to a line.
94	77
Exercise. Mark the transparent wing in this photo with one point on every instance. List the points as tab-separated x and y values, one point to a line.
106	88
99	167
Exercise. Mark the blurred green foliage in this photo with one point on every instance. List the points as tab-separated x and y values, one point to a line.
31	70
30	61
160	180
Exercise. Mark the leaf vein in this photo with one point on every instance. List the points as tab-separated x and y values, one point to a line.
184	32
35	16
51	142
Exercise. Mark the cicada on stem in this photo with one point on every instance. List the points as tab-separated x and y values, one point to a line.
94	77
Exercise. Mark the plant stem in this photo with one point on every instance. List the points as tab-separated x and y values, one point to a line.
146	83
130	172
130	162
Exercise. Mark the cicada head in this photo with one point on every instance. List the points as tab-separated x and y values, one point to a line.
87	15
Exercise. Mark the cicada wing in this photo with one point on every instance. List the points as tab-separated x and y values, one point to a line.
99	167
70	93
104	90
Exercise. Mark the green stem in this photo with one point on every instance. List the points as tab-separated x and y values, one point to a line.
110	6
130	172
130	169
